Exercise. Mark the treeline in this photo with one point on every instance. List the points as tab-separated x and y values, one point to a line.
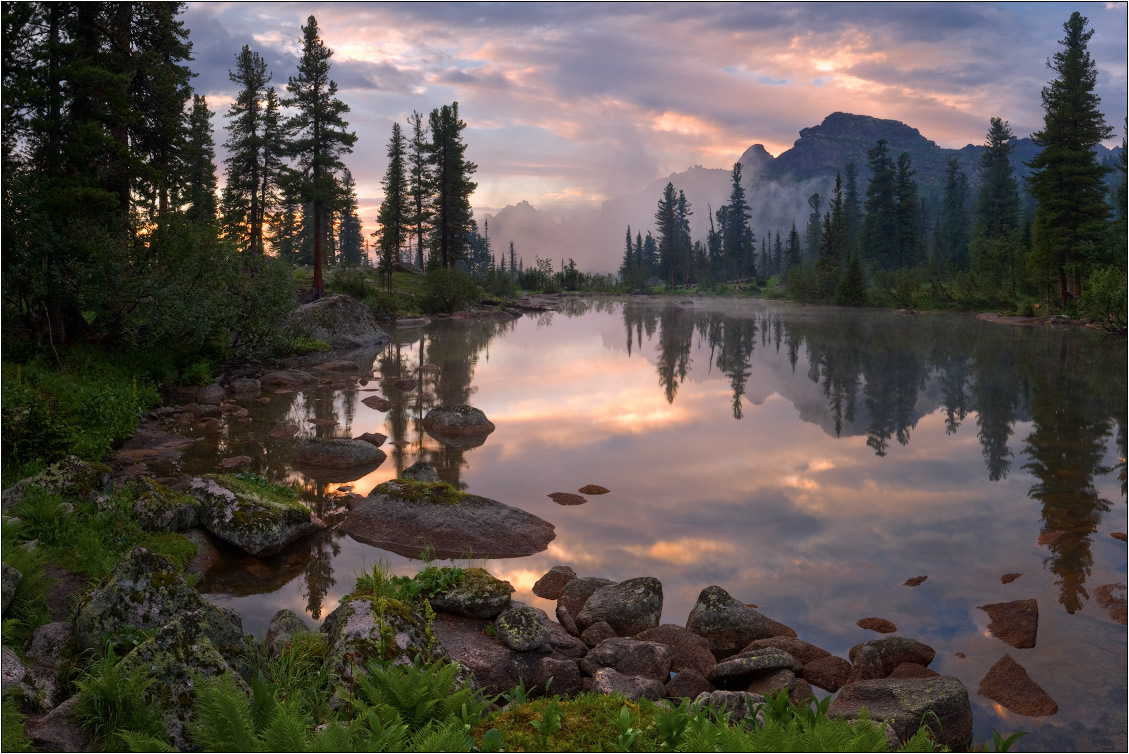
975	248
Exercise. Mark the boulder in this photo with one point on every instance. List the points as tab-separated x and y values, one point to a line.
406	517
339	320
1008	683
629	607
9	580
362	629
479	596
728	625
912	670
207	554
772	683
829	673
284	626
12	671
494	667
597	633
905	704
866	665
421	472
553	583
244	386
688	684
144	591
803	651
801	694
893	650
688	651
337	453
520	629
338	365
561	641
455	420
51	644
738	671
880	625
259	519
631	687
59	730
159	508
738	704
1014	623
72	476
286	379
630	657
573	597
557	676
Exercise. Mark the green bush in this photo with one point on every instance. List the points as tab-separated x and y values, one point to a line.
449	291
1104	297
351	281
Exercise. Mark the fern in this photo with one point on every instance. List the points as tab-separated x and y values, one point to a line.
449	736
143	742
420	694
285	729
112	701
222	717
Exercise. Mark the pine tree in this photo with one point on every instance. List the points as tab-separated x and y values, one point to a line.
684	255
1067	180
453	186
666	225
395	210
814	231
792	256
350	240
513	258
909	215
852	209
420	182
953	230
737	233
879	234
198	189
243	211
627	266
320	133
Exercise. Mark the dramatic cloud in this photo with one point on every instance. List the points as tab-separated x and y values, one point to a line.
570	104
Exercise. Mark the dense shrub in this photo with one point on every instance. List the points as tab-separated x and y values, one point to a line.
449	291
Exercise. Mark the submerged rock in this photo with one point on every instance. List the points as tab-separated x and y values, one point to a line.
286	378
905	703
1008	683
339	320
259	519
1014	623
406	517
880	625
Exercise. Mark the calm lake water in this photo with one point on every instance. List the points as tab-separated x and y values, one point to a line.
808	460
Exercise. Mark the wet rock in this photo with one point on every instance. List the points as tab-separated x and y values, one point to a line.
244	386
281	431
235	462
287	378
631	687
359	630
421	472
59	730
572	599
728	625
771	684
829	673
373	438
1014	623
284	626
894	650
904	704
688	684
597	633
12	671
377	403
738	671
338	365
736	703
1008	683
457	419
557	676
593	489
207	555
803	651
688	651
257	519
630	657
520	629
915	581
208	411
72	476
566	498
479	596
9	580
339	320
209	425
144	591
553	583
629	607
337	453
881	625
912	670
405	517
160	508
1007	578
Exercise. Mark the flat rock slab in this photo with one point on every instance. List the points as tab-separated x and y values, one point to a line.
1008	683
1014	623
737	672
377	403
881	625
337	453
1007	578
915	581
593	489
566	498
393	521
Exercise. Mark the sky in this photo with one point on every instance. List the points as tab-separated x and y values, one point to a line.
568	104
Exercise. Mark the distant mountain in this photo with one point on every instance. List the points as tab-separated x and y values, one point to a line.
777	189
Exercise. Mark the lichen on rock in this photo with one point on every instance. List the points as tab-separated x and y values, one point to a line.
258	518
72	475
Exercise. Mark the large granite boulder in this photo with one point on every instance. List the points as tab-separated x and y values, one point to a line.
339	320
688	651
71	475
630	657
892	651
9	580
728	625
159	508
337	453
255	516
737	672
629	607
407	517
12	671
520	628
905	704
457	419
363	629
144	591
479	595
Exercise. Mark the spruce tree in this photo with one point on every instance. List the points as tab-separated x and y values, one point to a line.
909	215
666	225
452	185
737	233
420	182
953	228
852	209
1068	180
627	266
879	234
814	231
350	241
320	135
198	189
395	210
243	210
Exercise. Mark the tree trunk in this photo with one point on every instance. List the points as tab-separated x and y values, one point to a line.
1062	286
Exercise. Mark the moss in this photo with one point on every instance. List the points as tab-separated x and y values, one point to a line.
258	488
434	493
479	584
587	724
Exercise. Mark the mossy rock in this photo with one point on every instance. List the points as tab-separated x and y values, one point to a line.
159	508
424	493
72	476
258	518
363	629
145	591
520	628
479	596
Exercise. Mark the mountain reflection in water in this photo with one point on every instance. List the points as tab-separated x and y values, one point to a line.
807	459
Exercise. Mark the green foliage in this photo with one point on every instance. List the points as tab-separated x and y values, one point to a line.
420	695
12	727
197	373
449	291
349	280
550	721
258	483
111	700
1104	298
1001	744
380	583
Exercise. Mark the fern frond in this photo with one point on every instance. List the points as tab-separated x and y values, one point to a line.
222	719
143	742
449	736
286	730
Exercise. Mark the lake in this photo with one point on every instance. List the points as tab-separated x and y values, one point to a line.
806	459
